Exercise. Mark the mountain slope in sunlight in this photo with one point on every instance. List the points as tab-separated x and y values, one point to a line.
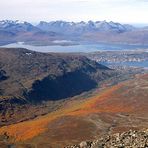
115	109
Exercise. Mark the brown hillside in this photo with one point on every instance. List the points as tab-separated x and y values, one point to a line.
28	79
28	74
115	109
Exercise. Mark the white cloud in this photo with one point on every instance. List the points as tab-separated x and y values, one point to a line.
134	11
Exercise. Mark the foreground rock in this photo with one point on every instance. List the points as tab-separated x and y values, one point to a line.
130	139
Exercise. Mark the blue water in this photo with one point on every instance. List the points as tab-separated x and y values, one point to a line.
78	48
143	64
86	48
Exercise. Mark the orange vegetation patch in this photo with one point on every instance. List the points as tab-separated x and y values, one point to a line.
29	129
107	101
24	130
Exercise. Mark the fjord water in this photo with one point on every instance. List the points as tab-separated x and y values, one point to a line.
142	64
85	47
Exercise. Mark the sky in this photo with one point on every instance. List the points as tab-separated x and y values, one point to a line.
123	11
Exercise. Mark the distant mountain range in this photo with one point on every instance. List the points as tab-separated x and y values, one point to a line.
46	32
16	31
83	27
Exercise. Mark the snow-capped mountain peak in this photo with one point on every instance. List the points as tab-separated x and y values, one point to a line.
62	26
16	26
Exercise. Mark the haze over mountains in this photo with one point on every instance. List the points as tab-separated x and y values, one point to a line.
55	99
46	32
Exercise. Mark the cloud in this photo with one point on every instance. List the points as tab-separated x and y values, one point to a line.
75	10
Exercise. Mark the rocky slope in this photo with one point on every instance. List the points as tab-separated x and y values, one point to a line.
134	139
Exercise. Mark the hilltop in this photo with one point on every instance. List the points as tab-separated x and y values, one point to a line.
28	79
24	72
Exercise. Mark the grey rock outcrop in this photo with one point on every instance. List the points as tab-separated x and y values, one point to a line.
130	139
